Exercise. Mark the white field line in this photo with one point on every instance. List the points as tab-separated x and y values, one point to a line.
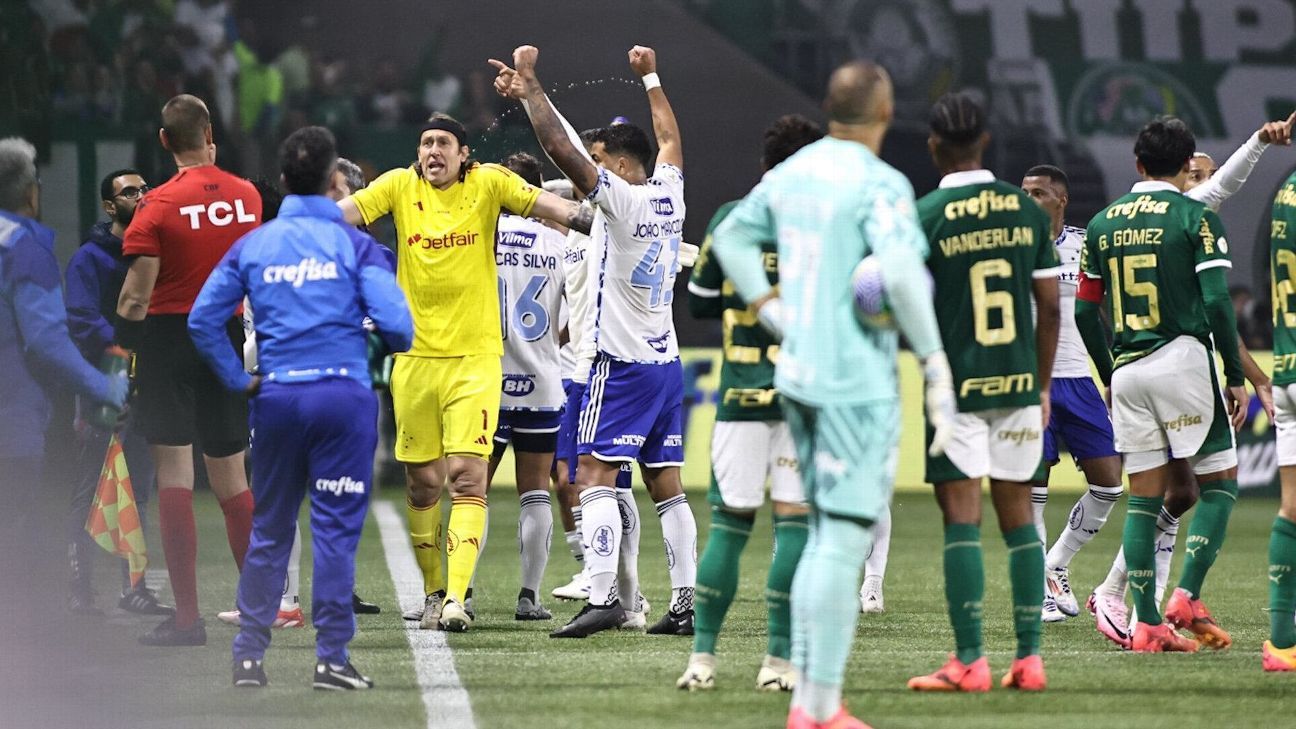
444	697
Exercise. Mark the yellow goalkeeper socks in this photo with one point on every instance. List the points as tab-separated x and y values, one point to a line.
425	535
463	543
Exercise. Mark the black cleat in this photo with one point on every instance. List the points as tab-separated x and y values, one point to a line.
361	607
680	623
332	677
167	634
143	601
528	609
591	620
249	673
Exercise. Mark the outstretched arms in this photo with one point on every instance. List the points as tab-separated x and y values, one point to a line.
643	61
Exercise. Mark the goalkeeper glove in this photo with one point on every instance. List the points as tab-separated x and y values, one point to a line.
942	409
770	315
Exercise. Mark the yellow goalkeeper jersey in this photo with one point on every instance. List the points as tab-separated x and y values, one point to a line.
445	260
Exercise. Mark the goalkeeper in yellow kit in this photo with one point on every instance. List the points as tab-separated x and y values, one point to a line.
446	388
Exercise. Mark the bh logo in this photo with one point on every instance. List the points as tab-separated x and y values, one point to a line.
662	206
518	385
602	543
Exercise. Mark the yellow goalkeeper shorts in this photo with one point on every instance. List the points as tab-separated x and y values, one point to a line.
445	406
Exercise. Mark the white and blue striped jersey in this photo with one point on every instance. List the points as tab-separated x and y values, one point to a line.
529	261
1072	358
638	249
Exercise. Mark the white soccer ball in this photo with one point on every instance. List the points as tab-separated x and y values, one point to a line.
869	291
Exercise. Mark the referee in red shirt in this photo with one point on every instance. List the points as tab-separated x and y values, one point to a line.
181	230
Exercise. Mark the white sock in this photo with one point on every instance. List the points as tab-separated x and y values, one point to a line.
601	536
481	549
628	565
820	700
1167	535
1039	499
1087	517
535	531
291	598
679	531
573	538
876	563
1117	582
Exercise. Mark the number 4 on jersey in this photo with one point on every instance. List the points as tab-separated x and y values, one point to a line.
655	275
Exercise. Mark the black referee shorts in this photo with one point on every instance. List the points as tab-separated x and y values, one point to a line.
179	400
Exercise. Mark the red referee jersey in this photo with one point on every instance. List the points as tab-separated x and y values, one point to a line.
189	223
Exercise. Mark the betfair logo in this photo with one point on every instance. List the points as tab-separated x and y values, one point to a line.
1181	422
979	207
1022	435
998	385
449	240
1143	204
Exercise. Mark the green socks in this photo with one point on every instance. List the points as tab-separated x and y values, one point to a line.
790	534
1026	572
1140	554
1206	533
717	576
965	587
1282	583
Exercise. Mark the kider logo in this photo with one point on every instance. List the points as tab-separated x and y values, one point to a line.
1183	421
662	206
517	239
299	273
999	385
449	240
982	205
1141	204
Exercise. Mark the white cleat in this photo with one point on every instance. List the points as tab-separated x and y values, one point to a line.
634	620
430	618
1049	613
577	589
871	596
229	617
776	674
1112	618
700	674
1057	583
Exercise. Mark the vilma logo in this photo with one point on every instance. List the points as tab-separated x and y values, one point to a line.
602	542
516	239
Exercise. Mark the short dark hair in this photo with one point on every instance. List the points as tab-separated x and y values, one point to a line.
785	136
1053	173
355	178
307	159
957	118
627	140
271	198
1164	146
185	120
589	136
526	166
106	187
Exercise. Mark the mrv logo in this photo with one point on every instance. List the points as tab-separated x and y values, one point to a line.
519	385
662	206
339	486
299	273
517	239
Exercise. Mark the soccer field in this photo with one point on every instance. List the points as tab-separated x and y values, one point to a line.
518	677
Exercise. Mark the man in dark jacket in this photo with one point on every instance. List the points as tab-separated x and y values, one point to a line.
93	281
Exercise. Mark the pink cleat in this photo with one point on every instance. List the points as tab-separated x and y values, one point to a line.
1278	659
799	719
955	676
1186	613
1027	674
1160	639
1111	616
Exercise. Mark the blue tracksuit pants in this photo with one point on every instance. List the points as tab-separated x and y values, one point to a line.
318	438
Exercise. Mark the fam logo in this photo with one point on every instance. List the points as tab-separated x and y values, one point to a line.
662	206
516	239
603	543
435	243
518	385
339	486
297	274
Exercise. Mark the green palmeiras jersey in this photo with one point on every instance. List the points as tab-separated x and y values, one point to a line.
747	373
1148	247
988	242
1282	278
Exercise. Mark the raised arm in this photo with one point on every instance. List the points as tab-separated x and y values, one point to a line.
521	83
1231	175
643	61
564	212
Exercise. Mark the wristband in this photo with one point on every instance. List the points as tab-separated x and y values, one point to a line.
651	81
128	334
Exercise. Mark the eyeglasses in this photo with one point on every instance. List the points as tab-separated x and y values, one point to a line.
132	193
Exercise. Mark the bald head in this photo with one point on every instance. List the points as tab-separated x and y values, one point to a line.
186	124
859	92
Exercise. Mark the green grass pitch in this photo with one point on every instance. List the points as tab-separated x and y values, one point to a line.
518	677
